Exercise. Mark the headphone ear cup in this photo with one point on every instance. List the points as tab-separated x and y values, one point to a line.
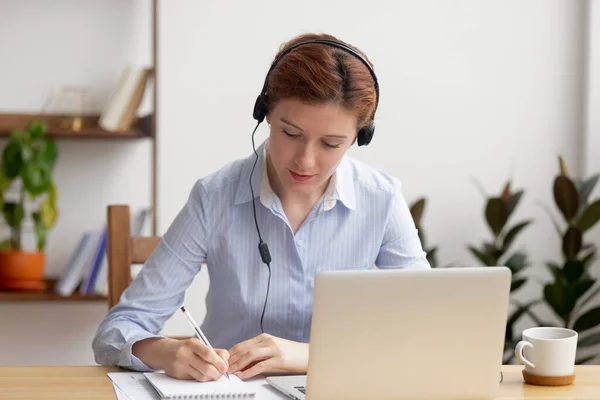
260	109
366	134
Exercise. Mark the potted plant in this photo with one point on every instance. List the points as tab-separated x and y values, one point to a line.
497	252
573	287
416	211
27	190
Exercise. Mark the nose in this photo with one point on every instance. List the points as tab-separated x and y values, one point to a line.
305	157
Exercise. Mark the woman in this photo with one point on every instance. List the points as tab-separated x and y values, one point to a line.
317	209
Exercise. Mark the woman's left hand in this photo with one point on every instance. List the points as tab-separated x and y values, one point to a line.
267	353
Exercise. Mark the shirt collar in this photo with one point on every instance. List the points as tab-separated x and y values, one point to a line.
341	185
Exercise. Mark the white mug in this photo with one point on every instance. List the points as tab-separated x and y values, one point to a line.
548	351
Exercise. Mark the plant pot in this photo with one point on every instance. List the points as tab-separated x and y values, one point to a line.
22	270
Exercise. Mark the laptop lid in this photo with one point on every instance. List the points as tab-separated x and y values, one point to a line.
389	334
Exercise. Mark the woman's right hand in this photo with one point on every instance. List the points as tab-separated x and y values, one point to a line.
183	359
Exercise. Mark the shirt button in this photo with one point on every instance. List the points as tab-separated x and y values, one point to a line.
299	242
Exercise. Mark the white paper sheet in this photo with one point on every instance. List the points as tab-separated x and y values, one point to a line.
133	386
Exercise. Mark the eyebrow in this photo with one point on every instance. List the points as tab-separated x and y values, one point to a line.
300	129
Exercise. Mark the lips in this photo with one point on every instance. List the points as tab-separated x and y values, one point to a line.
299	177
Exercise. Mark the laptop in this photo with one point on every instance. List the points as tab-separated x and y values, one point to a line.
405	334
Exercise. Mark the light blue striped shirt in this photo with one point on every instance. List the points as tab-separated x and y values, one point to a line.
361	220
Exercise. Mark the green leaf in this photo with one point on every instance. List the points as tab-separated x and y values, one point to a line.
13	214
40	231
516	262
588	320
589	340
593	294
416	211
19	135
480	256
517	283
584	360
556	271
560	299
518	313
588	258
5	181
586	189
491	251
572	242
53	194
514	201
49	152
581	287
11	160
590	216
37	178
431	257
26	154
512	234
573	270
566	196
48	214
37	129
496	214
520	310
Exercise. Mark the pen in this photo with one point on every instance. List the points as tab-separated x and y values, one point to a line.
199	332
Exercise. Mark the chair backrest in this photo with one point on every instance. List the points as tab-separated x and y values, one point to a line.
123	250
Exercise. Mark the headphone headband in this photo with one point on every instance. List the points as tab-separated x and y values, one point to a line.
364	134
329	42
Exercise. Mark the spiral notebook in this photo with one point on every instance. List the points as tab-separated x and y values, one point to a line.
170	388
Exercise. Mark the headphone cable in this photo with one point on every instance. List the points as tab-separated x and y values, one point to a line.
263	249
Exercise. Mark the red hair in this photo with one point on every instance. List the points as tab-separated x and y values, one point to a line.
318	73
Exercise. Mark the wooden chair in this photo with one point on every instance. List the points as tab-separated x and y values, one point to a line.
123	250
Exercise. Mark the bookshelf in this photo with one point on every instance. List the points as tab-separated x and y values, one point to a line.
58	131
47	295
90	132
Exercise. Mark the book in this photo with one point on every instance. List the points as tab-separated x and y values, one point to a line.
77	265
100	286
95	264
119	113
224	388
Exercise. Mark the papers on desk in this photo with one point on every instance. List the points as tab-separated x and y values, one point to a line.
156	386
132	386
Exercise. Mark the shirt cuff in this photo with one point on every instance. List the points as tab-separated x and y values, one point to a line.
128	360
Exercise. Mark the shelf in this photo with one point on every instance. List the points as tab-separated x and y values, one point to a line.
46	295
56	126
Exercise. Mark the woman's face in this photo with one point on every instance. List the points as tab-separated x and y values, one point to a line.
307	142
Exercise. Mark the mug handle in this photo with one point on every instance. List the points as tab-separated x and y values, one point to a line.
519	353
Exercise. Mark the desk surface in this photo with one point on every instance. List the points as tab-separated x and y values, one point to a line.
91	382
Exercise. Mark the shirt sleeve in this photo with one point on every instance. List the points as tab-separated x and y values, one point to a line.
401	246
159	289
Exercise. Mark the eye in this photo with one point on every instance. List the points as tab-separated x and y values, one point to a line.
331	146
289	134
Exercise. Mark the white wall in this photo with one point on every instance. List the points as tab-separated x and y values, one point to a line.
469	89
592	132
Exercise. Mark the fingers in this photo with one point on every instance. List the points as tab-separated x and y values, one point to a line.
241	348
247	344
209	355
204	368
198	376
224	354
258	368
251	356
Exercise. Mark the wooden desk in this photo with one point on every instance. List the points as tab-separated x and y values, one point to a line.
60	383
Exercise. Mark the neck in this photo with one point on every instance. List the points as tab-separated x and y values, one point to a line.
287	198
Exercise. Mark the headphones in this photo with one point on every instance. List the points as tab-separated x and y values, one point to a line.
364	134
260	112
